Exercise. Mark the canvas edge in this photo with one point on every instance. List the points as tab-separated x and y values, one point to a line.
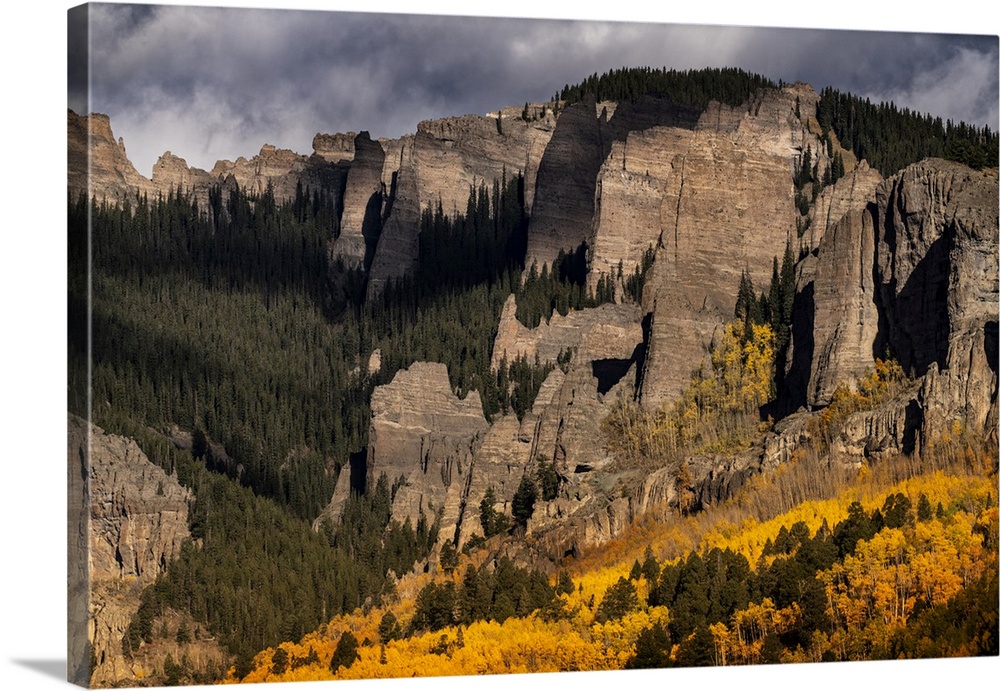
78	647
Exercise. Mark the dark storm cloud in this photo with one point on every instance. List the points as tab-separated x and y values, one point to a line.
210	83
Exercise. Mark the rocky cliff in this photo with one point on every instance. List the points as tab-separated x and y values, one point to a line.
564	190
726	205
138	521
846	319
453	154
423	434
910	274
398	248
606	332
937	280
905	266
111	174
361	220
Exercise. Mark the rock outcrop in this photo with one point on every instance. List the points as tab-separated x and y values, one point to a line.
726	206
499	464
138	520
453	154
110	174
334	148
563	209
173	173
398	246
361	220
710	191
605	332
845	324
438	165
913	274
937	274
423	434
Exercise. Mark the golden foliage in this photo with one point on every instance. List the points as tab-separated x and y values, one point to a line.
877	385
716	412
871	594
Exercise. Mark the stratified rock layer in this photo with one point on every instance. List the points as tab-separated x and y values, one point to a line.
608	331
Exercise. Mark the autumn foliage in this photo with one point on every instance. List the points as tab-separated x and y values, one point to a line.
906	569
716	412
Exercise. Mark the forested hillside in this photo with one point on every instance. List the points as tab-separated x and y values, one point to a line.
883	568
212	348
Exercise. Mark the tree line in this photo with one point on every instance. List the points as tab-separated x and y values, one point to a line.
891	138
728	85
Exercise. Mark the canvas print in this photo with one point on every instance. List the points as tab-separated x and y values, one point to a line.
407	345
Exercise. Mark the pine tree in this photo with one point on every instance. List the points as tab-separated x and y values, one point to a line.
523	504
346	652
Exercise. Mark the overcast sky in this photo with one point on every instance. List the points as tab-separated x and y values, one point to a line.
211	83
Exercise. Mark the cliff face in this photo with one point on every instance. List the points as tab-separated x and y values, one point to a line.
138	521
587	153
604	332
453	154
173	173
112	175
911	273
361	220
937	259
398	246
564	191
439	164
423	433
725	205
846	318
449	455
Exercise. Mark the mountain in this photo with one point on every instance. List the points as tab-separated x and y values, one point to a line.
674	301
